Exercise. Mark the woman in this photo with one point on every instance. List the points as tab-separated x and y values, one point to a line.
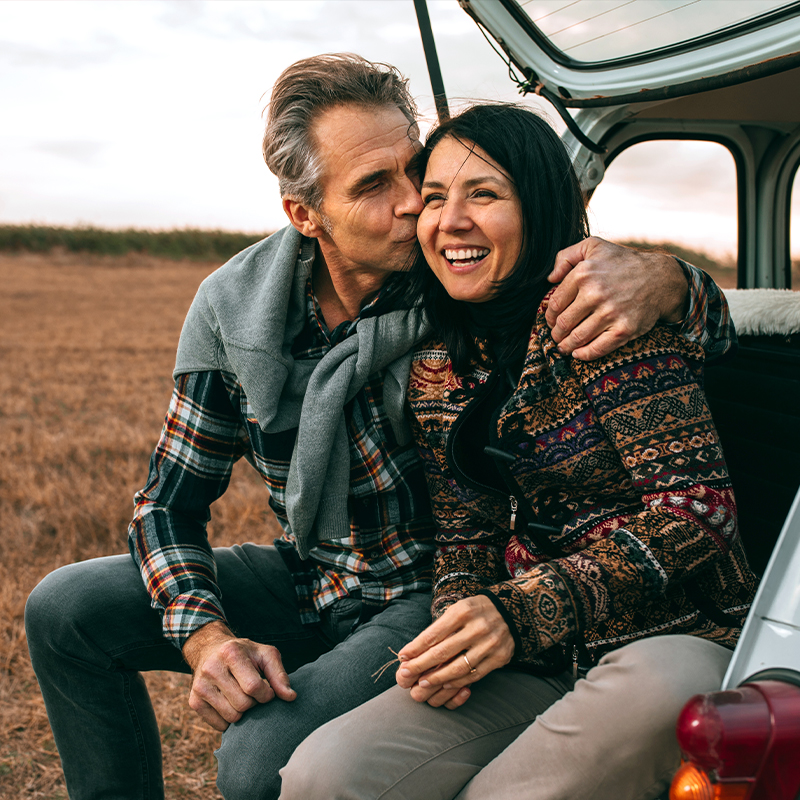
586	523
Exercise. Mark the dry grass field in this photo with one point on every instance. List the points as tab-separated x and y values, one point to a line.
87	345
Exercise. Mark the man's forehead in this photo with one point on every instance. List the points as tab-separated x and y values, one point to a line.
356	141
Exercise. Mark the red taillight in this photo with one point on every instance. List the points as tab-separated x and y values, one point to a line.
741	744
727	732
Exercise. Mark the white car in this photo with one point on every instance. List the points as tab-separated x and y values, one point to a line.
724	71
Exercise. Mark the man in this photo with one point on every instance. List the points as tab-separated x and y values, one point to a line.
293	357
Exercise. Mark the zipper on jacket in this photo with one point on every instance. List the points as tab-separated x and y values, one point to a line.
540	534
461	419
520	508
582	659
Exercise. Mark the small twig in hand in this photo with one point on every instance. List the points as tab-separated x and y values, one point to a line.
378	674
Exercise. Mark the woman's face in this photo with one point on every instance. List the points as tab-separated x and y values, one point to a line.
470	229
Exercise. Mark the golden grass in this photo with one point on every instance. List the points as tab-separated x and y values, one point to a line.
87	346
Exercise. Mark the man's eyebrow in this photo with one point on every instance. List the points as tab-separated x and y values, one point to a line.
367	180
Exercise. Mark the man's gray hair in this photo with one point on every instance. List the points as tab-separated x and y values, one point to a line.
305	90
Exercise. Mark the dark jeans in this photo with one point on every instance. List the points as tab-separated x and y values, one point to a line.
91	631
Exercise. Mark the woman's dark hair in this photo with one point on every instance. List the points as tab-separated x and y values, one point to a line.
553	217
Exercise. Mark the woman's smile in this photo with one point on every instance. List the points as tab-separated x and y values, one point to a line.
470	229
462	258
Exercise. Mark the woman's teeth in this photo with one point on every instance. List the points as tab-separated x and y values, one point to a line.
471	255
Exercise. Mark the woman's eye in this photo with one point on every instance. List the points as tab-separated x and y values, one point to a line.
433	199
484	193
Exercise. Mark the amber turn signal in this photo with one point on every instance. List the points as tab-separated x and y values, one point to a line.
692	783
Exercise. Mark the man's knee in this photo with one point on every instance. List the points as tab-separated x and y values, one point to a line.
245	782
96	606
54	606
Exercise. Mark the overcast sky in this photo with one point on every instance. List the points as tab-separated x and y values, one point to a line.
147	113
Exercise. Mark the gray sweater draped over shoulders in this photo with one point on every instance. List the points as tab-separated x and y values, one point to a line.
244	320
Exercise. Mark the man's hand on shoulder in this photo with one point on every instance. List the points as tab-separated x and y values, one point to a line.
610	294
231	675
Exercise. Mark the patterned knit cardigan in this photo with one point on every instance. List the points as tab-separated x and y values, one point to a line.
621	456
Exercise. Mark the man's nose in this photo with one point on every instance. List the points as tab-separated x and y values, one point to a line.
410	201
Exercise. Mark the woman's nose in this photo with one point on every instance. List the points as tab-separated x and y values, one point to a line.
453	216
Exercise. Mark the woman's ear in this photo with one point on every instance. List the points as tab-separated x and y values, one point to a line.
305	219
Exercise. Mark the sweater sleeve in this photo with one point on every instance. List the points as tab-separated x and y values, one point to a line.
654	414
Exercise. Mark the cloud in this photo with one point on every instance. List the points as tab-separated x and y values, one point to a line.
84	152
238	21
102	49
671	172
125	113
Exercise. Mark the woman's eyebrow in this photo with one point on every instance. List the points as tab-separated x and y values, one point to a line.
469	183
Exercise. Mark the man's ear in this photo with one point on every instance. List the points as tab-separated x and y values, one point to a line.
305	219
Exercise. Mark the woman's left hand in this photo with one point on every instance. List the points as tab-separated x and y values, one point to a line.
464	645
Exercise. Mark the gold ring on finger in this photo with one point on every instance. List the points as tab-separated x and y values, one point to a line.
469	666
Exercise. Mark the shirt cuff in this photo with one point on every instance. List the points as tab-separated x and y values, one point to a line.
689	274
187	613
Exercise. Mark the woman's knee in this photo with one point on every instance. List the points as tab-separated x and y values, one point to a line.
319	771
361	755
393	747
678	666
334	761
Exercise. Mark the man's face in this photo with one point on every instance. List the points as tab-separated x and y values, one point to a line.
370	189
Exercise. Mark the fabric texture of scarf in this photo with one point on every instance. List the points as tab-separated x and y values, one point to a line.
244	320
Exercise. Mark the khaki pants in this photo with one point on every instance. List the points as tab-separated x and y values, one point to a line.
610	736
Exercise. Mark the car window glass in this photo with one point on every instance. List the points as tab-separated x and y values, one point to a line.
589	31
676	194
794	232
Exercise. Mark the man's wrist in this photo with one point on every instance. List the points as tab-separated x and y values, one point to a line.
209	634
676	292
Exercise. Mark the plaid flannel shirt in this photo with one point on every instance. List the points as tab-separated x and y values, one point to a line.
708	320
209	426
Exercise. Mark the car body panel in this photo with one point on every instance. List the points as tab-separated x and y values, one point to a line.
771	635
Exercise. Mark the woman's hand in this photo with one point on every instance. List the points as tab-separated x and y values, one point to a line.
434	665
